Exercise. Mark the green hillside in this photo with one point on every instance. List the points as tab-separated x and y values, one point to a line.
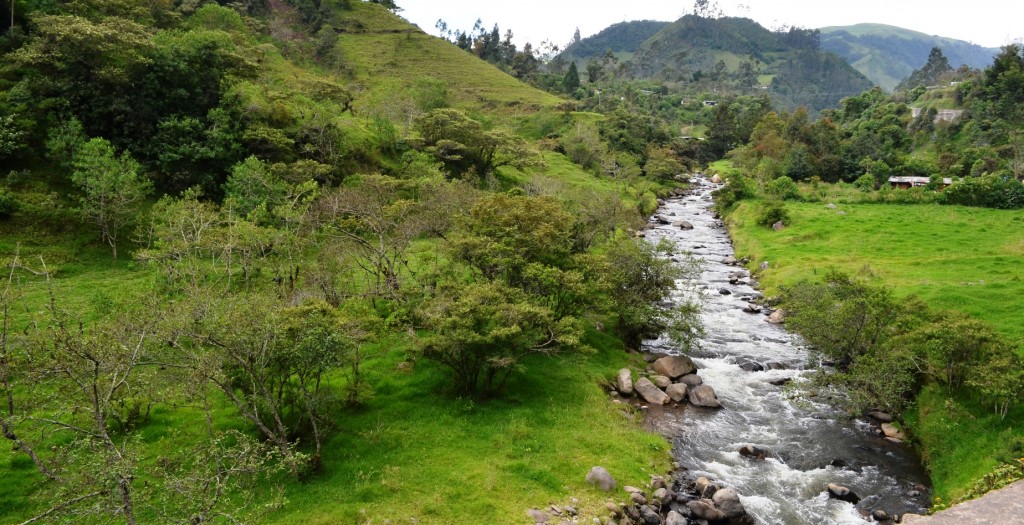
734	53
622	39
888	54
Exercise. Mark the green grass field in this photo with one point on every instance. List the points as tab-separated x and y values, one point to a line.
955	258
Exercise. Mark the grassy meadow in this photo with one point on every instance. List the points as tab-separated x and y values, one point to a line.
954	258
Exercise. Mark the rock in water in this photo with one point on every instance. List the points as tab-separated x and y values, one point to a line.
661	382
624	382
650	392
684	225
676	392
891	431
674	366
728	501
704	509
750	451
842	493
704	396
881	416
691	380
777	317
602	479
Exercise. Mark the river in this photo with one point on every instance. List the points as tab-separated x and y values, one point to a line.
811	443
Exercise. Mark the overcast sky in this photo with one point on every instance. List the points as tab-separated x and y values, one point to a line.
991	23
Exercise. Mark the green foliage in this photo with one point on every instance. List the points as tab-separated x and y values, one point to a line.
12	139
8	203
843	318
482	332
583	145
638	278
989	191
770	212
113	188
866	182
782	188
737	187
464	146
929	74
571	81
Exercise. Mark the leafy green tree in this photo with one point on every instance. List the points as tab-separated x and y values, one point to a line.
463	145
929	74
843	318
484	331
113	188
571	81
638	278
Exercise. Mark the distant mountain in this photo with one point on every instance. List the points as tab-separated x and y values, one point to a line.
738	55
623	39
888	54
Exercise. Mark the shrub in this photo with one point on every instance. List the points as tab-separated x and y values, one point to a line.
866	182
990	191
737	187
770	212
783	188
8	203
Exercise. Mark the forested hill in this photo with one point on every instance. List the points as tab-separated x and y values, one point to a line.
622	39
740	55
888	54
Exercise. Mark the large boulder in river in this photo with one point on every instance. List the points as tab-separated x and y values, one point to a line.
676	392
651	393
751	451
675	518
891	431
704	509
777	317
691	380
661	382
683	225
703	396
881	416
842	493
728	501
674	366
600	477
624	382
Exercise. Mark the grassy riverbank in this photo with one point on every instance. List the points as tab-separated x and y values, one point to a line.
955	258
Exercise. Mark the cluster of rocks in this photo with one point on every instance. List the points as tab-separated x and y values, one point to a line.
665	502
886	428
670	379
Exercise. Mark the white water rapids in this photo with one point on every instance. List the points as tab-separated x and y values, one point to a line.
806	438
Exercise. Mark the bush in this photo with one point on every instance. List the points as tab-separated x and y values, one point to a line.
737	187
990	191
770	212
866	182
8	203
783	188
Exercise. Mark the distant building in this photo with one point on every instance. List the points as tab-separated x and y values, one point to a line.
710	103
905	183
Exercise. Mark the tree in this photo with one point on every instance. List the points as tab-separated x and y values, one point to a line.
844	319
929	74
76	402
112	188
637	279
571	81
483	332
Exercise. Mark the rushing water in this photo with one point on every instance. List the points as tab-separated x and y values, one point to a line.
806	438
